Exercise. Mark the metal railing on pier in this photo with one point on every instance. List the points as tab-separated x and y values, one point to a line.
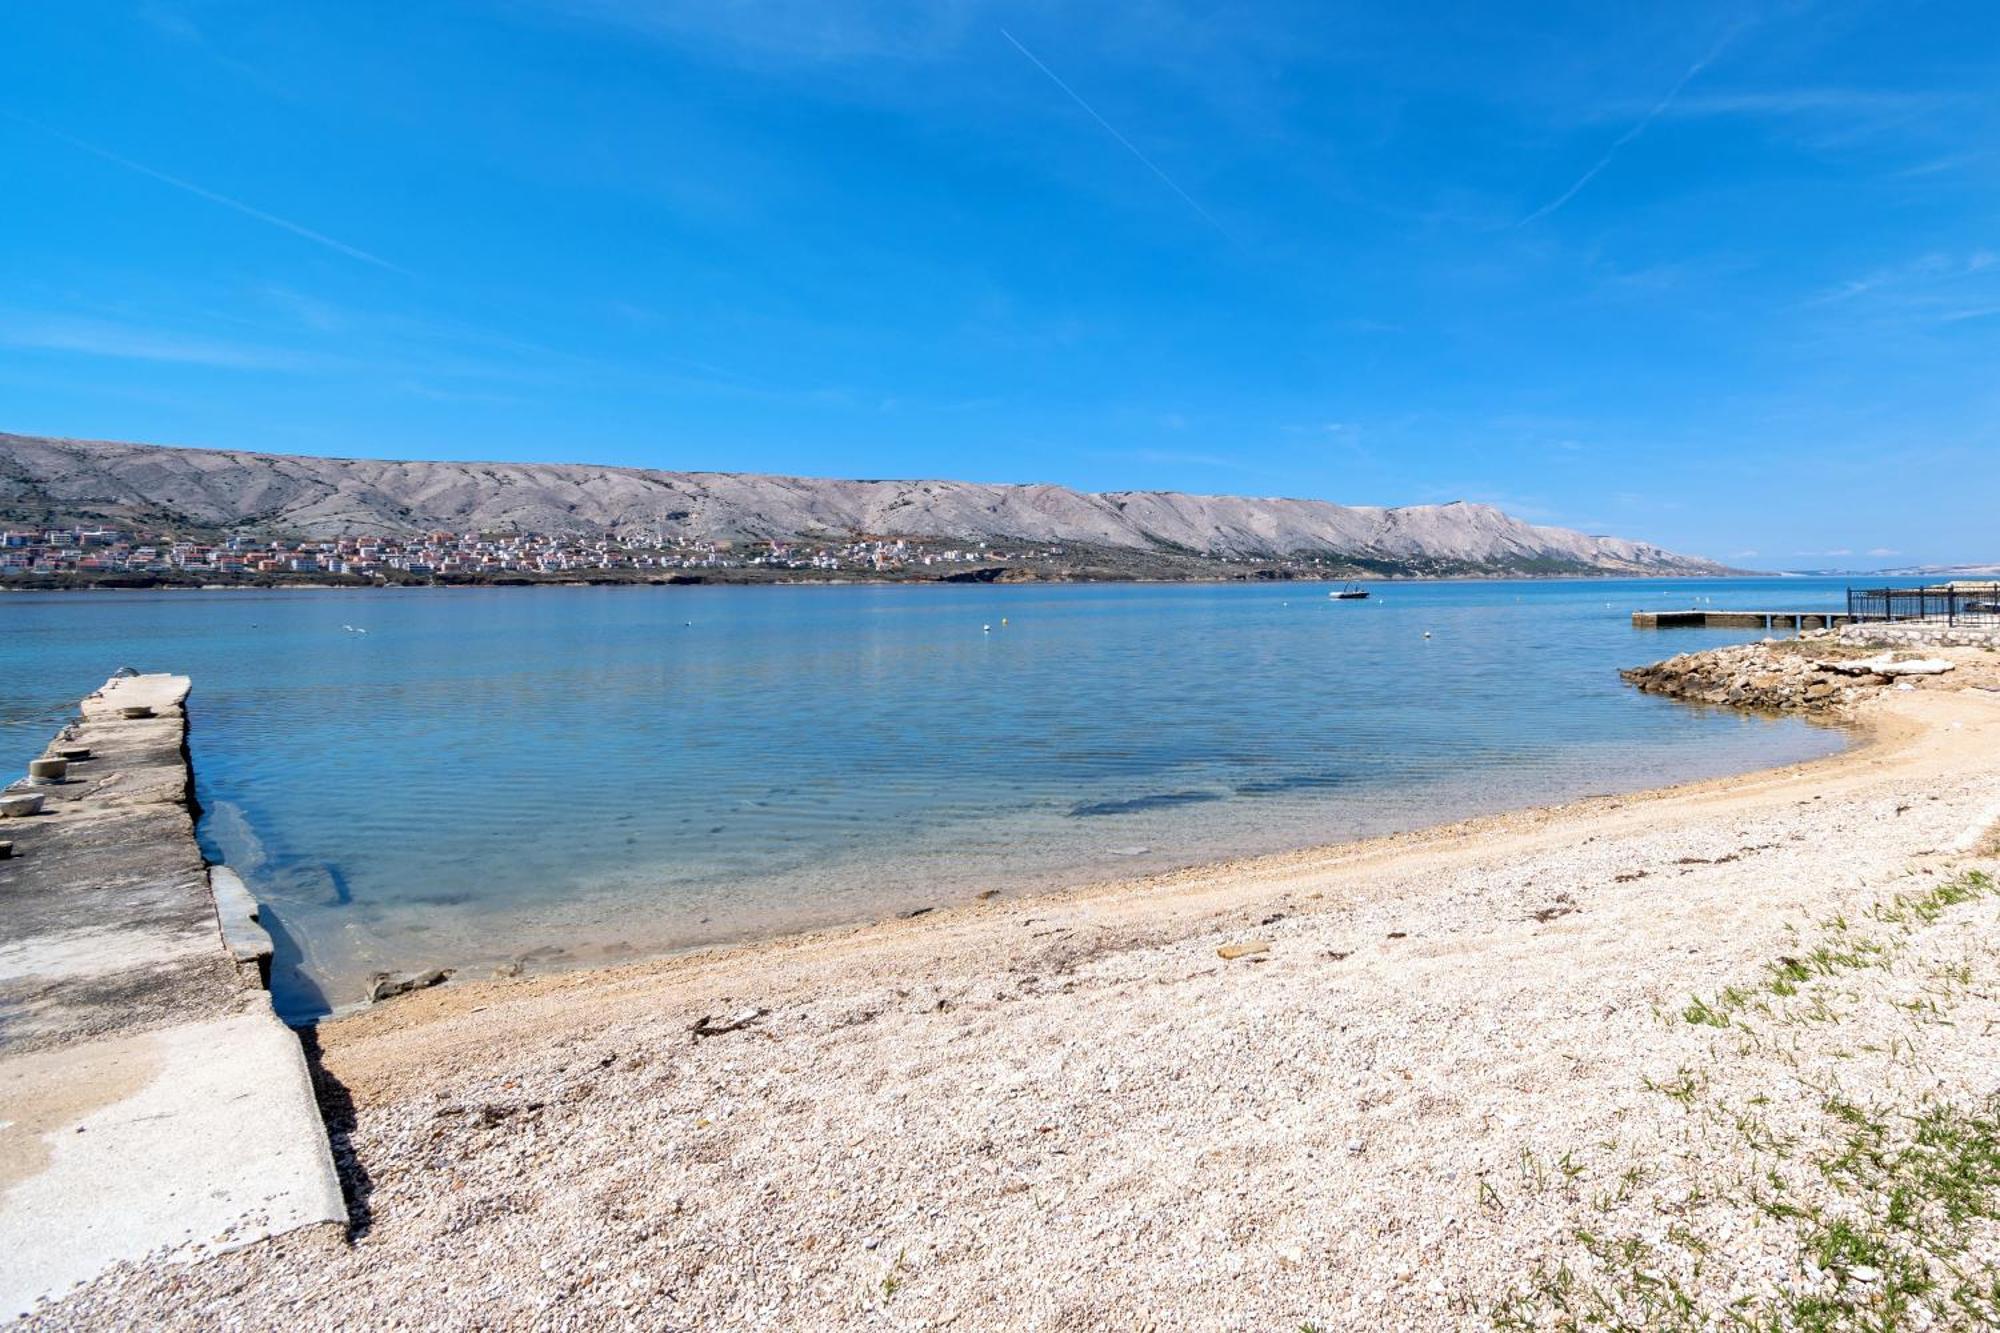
1944	604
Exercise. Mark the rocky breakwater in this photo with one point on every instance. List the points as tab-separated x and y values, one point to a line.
1814	673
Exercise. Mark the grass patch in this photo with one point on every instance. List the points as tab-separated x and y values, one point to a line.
1833	957
1888	1205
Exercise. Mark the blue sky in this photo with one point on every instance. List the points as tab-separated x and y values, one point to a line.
1726	277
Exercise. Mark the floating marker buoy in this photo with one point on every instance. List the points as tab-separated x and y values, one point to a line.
985	629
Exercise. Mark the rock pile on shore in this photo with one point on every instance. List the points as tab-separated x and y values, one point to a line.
1817	675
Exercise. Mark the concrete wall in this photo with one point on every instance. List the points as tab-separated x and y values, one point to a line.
1921	634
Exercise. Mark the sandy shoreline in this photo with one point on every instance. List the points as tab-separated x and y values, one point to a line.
1417	1077
1155	894
608	952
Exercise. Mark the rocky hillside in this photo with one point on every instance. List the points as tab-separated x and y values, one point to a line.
45	480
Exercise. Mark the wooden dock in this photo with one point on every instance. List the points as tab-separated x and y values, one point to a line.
1738	619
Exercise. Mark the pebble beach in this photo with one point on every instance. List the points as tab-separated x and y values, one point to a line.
1611	1056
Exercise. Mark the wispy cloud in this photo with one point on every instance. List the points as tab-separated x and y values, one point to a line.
176	25
309	311
793	32
92	337
420	389
1945	165
1808	102
1638	128
1842	120
1112	130
223	200
1933	284
1180	458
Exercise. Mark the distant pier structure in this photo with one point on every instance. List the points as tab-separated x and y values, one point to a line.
1700	619
1957	603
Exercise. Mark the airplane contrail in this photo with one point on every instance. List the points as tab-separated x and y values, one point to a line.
1659	109
272	219
1112	130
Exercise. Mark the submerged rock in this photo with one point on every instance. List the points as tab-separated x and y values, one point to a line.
387	985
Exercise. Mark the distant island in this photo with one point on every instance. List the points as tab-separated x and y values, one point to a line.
82	512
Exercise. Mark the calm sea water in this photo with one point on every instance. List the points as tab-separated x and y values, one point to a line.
578	774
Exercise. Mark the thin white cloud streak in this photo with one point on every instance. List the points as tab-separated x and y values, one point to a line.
270	219
1640	127
1812	101
1112	130
1179	458
1926	272
89	337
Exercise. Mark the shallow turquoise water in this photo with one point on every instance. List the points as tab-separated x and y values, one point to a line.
485	773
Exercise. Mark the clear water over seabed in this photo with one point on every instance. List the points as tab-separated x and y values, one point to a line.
579	774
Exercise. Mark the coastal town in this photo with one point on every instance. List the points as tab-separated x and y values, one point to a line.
86	554
96	552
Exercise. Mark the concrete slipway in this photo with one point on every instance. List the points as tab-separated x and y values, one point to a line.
150	1100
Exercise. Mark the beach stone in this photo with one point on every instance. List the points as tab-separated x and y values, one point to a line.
1926	666
1243	950
387	985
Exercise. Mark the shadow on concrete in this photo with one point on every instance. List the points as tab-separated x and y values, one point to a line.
336	1108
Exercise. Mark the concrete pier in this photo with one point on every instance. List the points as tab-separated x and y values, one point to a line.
151	1103
1738	619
